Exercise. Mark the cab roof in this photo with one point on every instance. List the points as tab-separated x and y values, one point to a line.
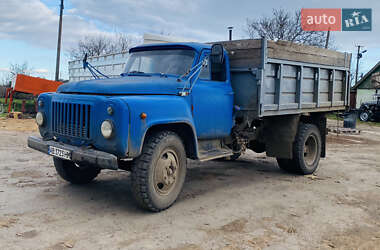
191	45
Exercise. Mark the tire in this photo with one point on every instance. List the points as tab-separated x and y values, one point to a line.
287	165
364	115
73	173
306	151
158	174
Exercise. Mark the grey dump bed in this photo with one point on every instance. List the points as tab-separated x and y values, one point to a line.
278	78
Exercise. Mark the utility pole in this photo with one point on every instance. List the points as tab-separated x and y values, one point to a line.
357	64
59	42
230	32
359	55
327	39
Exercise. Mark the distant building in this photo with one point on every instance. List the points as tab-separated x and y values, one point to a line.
113	65
368	85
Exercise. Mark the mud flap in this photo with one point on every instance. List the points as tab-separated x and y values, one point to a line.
279	134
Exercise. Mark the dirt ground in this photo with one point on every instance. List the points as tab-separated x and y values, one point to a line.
25	125
246	204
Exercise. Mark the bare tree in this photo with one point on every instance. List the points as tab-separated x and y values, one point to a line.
283	25
14	69
98	45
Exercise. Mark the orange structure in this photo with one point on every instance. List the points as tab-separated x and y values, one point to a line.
30	85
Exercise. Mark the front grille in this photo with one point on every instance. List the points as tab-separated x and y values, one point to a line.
71	119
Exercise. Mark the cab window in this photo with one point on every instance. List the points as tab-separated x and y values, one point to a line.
218	71
205	72
213	72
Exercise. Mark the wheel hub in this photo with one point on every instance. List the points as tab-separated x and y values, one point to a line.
310	150
165	174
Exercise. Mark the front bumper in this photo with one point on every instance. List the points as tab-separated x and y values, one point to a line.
78	154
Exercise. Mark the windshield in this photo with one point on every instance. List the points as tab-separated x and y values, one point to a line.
171	62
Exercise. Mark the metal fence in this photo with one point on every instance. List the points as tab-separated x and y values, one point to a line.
111	65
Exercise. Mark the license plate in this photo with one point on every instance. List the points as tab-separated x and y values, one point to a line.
61	153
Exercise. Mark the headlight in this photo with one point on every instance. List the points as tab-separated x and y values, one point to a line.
107	129
40	103
40	119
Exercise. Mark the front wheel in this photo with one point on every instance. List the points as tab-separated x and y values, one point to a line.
159	173
75	173
364	115
306	151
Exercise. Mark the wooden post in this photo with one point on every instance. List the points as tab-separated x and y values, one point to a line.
35	105
327	39
23	106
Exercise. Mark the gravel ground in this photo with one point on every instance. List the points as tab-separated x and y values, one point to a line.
246	204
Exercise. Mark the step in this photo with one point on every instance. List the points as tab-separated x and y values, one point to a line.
214	154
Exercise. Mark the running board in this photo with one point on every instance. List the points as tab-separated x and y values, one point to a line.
212	149
207	156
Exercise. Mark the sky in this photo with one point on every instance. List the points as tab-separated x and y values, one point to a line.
28	28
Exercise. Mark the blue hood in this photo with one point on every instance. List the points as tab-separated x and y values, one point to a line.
139	85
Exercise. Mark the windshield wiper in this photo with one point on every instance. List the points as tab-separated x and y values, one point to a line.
136	72
94	72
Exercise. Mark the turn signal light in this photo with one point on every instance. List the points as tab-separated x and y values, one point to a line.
143	116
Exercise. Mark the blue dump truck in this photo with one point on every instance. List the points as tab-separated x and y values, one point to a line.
199	101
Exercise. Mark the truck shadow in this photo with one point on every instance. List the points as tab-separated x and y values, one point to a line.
212	176
111	192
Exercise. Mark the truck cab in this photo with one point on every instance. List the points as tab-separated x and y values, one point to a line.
173	102
109	123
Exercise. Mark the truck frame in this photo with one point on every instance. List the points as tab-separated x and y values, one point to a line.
199	101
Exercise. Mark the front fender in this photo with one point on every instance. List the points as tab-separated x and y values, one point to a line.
160	110
364	107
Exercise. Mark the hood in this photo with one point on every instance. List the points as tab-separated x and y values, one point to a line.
369	103
139	85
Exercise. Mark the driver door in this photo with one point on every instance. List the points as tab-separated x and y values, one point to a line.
212	102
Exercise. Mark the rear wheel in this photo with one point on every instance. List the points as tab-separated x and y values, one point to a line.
286	165
159	173
306	151
75	173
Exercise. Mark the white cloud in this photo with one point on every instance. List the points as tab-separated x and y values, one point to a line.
178	18
41	71
4	69
33	22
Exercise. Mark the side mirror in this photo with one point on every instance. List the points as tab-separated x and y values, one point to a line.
217	54
85	63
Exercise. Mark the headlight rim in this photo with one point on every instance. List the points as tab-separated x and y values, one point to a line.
112	129
42	116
